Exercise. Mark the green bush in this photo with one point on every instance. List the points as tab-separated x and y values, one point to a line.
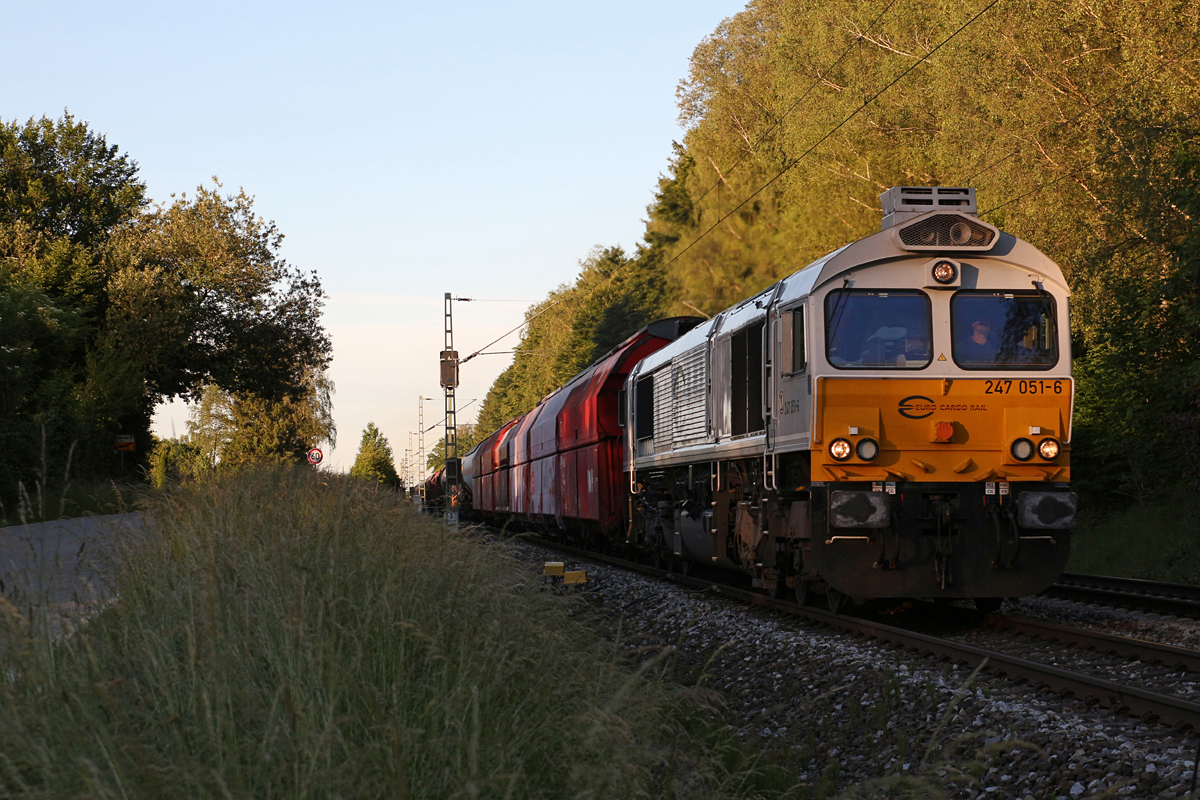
173	460
1157	541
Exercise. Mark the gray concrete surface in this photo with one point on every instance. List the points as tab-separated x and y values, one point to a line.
63	565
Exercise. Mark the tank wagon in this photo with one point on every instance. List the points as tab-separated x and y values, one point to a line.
893	420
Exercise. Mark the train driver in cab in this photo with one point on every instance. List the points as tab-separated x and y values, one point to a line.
1018	331
979	347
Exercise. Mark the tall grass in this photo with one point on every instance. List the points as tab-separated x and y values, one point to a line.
277	634
281	635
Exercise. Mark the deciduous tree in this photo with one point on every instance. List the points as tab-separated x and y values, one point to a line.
233	429
113	305
374	460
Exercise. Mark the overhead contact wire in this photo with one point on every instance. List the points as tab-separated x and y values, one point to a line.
834	130
857	41
507	333
443	422
1089	109
793	163
1077	170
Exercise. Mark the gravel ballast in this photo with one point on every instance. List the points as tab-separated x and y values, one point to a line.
864	715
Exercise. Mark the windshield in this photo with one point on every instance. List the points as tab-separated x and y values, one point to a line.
998	330
877	330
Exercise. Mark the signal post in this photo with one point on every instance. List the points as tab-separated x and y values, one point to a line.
449	375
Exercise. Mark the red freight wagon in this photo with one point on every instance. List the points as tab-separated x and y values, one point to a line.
543	447
469	473
434	493
504	450
564	461
486	470
591	465
520	466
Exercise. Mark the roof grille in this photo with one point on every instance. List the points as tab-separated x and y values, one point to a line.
902	203
946	232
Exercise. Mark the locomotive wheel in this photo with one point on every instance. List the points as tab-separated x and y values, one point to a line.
988	605
838	602
804	592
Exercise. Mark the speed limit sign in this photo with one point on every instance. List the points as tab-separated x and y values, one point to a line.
315	456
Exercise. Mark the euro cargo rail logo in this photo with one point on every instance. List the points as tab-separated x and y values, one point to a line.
917	407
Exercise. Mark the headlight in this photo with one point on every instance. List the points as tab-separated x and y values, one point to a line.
1048	449
1022	449
960	233
944	271
840	449
867	449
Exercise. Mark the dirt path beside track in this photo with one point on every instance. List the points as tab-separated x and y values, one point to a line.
63	566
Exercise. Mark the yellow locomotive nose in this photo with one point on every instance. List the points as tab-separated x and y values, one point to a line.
966	429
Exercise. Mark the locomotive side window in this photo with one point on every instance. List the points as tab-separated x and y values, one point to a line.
746	364
644	398
1003	330
877	330
792	335
798	360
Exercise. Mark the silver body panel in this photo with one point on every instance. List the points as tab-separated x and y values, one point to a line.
692	376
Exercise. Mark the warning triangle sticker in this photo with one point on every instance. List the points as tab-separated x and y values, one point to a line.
942	357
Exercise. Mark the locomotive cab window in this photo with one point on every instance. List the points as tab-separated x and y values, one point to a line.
792	336
1003	330
877	329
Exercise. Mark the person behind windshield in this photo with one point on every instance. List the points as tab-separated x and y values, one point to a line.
980	346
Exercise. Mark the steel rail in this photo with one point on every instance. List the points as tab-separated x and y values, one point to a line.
1173	598
1150	706
1182	658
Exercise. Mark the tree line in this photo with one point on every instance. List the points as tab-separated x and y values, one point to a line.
1077	122
111	303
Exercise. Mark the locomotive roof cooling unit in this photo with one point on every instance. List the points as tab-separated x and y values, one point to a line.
902	203
932	218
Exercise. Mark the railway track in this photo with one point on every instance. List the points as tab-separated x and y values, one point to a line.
1178	658
1177	599
1093	690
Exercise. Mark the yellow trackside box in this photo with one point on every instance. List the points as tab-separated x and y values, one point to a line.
943	429
575	578
553	569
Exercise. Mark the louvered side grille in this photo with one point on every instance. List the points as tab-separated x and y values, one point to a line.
663	416
690	422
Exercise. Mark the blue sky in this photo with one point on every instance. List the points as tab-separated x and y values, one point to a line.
405	150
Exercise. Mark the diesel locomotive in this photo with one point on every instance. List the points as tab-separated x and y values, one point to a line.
893	420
